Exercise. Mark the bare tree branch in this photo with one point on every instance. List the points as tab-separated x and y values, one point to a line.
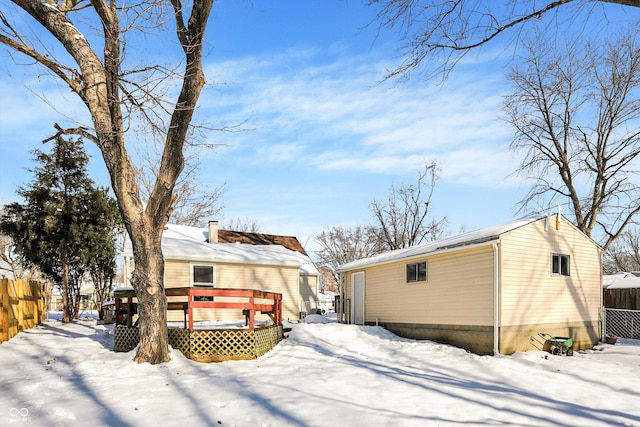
437	34
79	131
111	96
623	253
574	116
340	245
401	218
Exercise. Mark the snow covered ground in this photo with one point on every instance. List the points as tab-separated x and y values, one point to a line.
324	374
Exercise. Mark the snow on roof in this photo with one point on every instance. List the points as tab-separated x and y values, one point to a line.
308	267
620	281
185	243
484	235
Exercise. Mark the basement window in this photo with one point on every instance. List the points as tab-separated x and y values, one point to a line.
560	264
417	272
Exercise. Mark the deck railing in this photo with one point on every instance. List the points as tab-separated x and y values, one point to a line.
249	301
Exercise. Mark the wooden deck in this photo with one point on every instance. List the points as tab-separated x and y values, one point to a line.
252	301
208	345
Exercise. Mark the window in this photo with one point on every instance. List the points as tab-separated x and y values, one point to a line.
203	275
560	264
417	272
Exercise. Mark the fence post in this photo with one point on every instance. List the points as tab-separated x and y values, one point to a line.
40	301
4	313
33	289
252	313
13	306
30	304
19	290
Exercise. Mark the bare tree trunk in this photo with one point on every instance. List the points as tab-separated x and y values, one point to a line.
97	78
103	289
152	304
76	309
66	312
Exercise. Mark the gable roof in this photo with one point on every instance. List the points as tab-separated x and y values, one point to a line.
183	243
483	235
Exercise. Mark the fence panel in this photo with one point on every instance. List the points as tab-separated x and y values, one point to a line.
624	298
21	307
623	323
4	310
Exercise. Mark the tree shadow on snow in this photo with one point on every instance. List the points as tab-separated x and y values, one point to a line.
452	383
100	334
59	373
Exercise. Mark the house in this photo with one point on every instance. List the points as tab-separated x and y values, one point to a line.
488	290
621	290
309	275
54	298
229	259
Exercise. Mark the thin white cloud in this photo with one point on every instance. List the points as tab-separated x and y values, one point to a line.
335	117
277	153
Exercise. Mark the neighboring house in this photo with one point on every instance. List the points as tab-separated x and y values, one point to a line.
488	290
328	281
621	290
229	259
327	300
87	299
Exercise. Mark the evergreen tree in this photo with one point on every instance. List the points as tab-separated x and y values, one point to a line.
102	233
66	226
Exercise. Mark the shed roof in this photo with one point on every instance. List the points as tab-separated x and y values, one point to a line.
183	243
483	235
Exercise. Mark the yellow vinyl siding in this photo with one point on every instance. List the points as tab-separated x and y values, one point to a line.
309	289
456	304
177	274
458	290
531	294
283	280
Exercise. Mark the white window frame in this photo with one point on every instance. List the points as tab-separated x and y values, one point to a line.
194	283
560	271
415	264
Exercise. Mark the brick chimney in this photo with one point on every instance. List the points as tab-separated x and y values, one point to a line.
213	231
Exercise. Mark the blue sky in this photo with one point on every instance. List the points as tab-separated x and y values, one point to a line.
324	136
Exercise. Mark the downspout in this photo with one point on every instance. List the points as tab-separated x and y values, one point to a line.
496	299
301	305
341	291
338	306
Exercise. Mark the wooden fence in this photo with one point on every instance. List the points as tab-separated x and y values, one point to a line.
622	298
21	306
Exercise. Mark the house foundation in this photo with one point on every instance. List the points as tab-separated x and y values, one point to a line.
479	339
